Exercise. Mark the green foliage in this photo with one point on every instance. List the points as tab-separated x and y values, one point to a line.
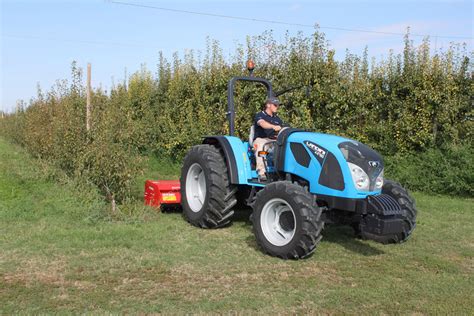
53	128
31	188
447	171
407	103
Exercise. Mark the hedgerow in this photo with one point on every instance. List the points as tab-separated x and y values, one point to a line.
447	171
408	103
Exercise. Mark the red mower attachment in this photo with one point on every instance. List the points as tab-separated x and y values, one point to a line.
162	192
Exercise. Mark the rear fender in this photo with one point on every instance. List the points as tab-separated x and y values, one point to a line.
235	155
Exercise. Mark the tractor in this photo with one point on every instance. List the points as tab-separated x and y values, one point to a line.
313	179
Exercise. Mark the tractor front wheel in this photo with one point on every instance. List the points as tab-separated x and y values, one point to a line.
287	221
207	195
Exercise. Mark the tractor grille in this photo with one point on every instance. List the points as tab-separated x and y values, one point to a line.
384	204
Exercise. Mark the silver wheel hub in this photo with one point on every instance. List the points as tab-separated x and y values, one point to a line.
278	222
195	187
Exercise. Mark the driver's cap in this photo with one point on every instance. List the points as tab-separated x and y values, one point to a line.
273	100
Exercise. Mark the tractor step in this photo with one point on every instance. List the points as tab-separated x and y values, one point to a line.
258	182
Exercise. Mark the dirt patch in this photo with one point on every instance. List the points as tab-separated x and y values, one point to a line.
192	284
44	271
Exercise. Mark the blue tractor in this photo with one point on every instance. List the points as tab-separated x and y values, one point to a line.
312	179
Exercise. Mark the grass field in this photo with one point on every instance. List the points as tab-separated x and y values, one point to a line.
56	258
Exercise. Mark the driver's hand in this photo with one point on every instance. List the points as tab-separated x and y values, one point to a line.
277	128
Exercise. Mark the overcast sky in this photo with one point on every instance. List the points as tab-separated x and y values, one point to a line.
40	39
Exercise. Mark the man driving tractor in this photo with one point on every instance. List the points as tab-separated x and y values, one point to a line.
267	126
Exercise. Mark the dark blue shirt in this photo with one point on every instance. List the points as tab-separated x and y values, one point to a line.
262	132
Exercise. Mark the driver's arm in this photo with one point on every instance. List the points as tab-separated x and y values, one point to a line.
264	124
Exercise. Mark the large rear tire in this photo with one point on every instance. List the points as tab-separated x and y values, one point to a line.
287	221
407	204
207	195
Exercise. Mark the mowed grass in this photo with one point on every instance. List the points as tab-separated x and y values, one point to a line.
53	258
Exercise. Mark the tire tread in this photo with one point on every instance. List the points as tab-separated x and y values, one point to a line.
221	192
310	214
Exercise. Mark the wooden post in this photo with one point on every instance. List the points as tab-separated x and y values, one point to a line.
88	102
114	206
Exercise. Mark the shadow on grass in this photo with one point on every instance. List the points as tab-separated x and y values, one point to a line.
344	236
243	216
338	234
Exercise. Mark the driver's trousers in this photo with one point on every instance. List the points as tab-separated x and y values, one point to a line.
258	146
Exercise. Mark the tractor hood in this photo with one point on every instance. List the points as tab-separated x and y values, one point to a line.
338	163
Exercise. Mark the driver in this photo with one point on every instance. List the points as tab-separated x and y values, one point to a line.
267	125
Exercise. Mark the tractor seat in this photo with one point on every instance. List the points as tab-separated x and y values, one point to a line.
268	146
251	135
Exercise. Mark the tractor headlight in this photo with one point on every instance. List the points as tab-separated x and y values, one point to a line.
360	178
379	181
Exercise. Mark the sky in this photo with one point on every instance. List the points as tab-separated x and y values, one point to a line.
40	39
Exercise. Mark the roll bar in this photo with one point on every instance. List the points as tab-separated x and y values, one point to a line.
230	97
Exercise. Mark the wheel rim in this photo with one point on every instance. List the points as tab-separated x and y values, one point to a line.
278	222
195	187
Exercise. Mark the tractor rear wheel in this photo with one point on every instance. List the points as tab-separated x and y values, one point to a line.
407	204
287	221
207	195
